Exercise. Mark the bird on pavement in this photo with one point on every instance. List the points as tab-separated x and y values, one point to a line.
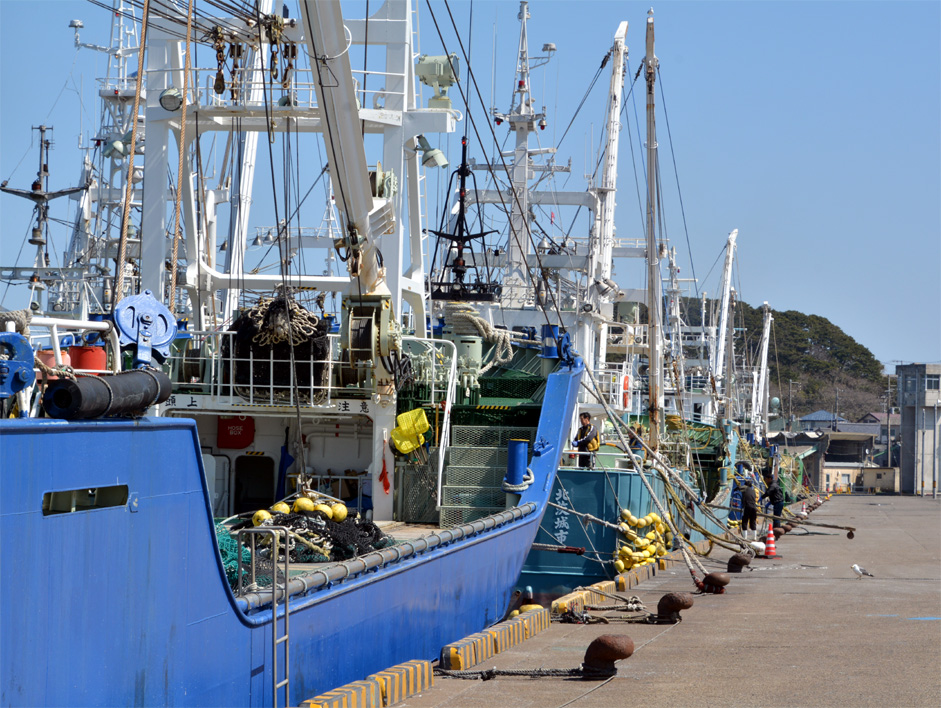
860	572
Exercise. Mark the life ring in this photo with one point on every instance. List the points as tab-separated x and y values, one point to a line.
626	392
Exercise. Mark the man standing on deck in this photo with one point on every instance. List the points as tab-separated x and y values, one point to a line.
586	440
776	497
749	512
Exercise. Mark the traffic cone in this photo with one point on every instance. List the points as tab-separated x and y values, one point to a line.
769	543
803	507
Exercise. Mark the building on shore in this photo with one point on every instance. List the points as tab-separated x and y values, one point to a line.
919	394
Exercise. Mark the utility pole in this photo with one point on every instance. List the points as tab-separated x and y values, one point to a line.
888	420
922	456
790	407
836	410
934	455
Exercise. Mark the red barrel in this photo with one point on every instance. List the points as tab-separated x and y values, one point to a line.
90	358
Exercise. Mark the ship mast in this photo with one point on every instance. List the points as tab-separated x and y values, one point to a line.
523	121
759	399
654	286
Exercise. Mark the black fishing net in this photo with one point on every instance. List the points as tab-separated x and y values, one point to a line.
269	331
312	539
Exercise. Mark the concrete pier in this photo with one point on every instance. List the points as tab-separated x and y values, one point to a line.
799	630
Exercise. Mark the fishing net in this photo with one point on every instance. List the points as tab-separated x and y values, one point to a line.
264	338
229	550
312	539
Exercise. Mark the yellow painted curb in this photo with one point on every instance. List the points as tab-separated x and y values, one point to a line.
403	680
359	694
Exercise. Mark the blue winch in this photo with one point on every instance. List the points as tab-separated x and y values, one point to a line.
16	368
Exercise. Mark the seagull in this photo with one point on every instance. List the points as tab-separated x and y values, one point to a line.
860	572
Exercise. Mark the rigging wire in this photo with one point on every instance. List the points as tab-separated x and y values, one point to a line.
666	117
118	291
174	253
506	168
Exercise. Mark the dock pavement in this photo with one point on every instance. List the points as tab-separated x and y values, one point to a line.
798	630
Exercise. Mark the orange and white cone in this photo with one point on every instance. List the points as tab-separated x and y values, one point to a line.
803	507
769	543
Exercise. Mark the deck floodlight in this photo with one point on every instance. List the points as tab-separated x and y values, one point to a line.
114	149
431	157
257	242
171	99
224	246
439	72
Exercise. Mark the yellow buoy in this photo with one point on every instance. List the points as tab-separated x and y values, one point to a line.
625	514
527	608
303	504
514	613
339	511
325	510
281	508
647	520
260	517
619	566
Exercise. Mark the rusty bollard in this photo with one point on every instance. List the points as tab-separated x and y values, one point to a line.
603	652
738	562
668	609
715	583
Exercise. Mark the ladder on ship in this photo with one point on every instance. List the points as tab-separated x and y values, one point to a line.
274	535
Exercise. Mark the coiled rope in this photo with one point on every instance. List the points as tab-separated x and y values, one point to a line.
282	320
20	318
464	319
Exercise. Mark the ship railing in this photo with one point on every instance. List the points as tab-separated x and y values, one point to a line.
442	378
300	94
617	386
205	362
61	335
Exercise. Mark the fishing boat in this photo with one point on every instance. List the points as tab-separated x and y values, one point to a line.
168	389
680	415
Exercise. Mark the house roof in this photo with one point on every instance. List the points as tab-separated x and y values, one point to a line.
868	428
894	419
859	437
819	415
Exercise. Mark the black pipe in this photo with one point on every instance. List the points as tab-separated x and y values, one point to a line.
129	393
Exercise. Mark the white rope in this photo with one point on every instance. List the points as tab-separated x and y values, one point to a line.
21	318
464	319
523	486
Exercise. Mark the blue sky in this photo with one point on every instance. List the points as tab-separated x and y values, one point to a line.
812	127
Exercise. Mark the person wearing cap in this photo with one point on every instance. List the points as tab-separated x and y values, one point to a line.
775	497
749	511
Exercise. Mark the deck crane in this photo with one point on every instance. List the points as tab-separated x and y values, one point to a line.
368	329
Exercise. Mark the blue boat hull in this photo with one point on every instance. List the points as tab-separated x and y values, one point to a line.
129	605
602	493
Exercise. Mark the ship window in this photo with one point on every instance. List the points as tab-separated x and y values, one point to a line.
254	483
74	500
